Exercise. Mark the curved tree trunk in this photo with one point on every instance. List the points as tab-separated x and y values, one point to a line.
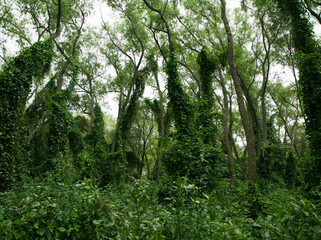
238	89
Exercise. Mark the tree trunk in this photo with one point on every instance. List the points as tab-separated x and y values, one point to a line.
92	101
121	111
162	126
238	89
226	129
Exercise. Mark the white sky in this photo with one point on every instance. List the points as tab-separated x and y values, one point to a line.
110	106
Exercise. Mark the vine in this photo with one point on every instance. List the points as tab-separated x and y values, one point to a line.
63	130
207	64
308	56
15	84
131	108
96	135
182	107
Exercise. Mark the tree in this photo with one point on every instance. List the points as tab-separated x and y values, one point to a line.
90	87
244	116
308	59
142	138
16	80
136	37
158	109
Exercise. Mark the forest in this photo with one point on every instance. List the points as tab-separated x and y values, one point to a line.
160	119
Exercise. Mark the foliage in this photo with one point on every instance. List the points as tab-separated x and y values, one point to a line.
63	131
132	106
203	164
38	107
58	120
61	178
179	100
96	135
46	209
208	64
155	108
16	79
190	152
308	59
95	161
277	163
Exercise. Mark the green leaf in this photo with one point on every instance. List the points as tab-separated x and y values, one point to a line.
97	222
41	231
36	225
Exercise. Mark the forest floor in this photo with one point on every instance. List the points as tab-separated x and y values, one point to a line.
143	209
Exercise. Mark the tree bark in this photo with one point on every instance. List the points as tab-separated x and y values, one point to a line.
162	126
239	94
226	129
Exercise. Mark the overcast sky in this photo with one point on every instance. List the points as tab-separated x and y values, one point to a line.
95	19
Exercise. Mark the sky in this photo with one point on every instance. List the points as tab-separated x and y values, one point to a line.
100	11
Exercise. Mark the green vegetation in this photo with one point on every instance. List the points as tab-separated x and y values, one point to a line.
209	140
16	80
169	209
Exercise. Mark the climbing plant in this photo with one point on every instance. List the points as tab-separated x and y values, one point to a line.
207	65
132	106
15	84
180	102
64	134
308	57
187	154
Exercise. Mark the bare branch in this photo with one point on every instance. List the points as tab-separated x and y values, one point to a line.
312	12
169	34
58	24
189	31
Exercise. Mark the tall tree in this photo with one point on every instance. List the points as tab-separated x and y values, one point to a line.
135	37
309	61
15	84
244	115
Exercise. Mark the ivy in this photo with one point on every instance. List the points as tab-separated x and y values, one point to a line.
154	106
181	104
190	152
208	63
15	84
131	108
96	135
96	161
58	123
63	130
38	107
308	56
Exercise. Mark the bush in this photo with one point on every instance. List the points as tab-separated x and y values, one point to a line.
47	209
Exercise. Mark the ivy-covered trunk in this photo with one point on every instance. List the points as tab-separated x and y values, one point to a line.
308	56
15	85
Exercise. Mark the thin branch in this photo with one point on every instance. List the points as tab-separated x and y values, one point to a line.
184	64
58	25
312	12
169	34
118	47
38	125
187	45
157	43
189	31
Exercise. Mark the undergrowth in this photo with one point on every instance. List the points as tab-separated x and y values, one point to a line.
168	209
